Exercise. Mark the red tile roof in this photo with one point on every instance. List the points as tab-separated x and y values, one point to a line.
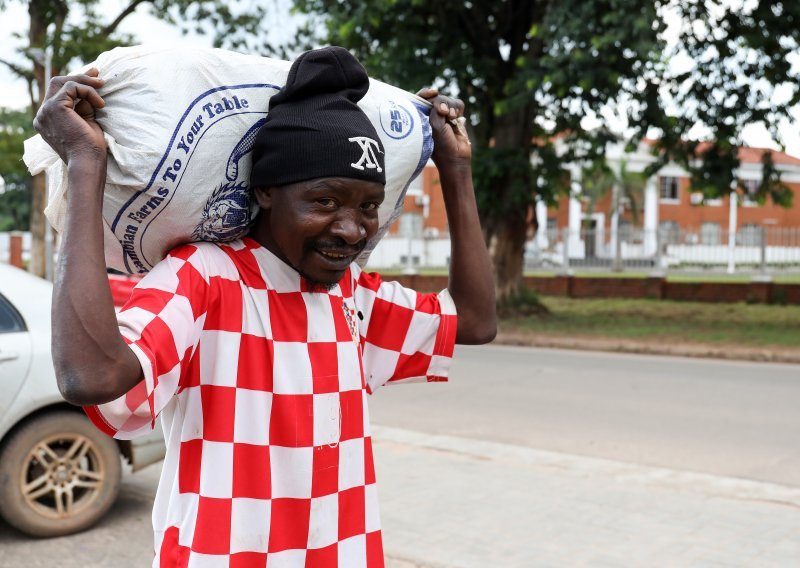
753	156
750	155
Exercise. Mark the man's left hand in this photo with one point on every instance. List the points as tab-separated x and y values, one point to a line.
451	144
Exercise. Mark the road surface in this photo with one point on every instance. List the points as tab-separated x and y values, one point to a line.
500	467
731	418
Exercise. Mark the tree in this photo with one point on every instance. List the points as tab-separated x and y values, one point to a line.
530	72
15	127
78	31
599	179
534	71
737	71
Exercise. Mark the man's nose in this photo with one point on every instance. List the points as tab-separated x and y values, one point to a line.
349	228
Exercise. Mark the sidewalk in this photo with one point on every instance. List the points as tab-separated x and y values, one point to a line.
453	502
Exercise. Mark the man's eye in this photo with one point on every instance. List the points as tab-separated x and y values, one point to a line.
372	206
326	202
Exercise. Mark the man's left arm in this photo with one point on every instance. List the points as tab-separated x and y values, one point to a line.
470	284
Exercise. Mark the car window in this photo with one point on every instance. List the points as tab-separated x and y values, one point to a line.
10	320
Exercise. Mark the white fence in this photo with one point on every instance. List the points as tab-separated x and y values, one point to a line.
751	249
410	253
391	253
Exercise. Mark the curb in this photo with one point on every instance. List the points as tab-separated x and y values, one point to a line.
698	350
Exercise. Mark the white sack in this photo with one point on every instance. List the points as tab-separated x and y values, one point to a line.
180	124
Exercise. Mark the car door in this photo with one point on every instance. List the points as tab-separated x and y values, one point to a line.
15	353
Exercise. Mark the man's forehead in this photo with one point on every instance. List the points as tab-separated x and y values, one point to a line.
343	185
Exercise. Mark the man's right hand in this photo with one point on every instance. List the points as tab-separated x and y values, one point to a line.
93	363
66	119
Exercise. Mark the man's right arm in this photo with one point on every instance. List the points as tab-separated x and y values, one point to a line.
92	361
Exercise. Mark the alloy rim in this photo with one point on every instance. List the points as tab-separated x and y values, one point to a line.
63	476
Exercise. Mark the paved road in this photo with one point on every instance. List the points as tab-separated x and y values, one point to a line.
727	418
491	470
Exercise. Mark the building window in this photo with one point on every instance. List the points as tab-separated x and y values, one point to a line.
751	187
668	188
710	234
414	260
552	227
410	225
669	232
749	235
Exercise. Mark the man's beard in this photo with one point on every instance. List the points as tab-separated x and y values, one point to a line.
317	286
334	244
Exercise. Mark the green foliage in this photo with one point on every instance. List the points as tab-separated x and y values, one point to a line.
598	179
771	185
739	72
532	72
15	201
526	303
528	71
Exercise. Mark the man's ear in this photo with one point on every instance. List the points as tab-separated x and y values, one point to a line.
263	196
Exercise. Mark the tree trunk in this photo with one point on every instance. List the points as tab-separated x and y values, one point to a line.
42	13
508	228
508	251
37	37
38	226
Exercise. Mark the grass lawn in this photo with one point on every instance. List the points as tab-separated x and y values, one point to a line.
744	325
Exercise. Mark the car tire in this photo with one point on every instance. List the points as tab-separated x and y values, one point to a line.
58	475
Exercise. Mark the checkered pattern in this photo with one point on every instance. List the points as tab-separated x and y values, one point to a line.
261	385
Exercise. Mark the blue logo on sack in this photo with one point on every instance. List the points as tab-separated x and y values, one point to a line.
226	214
397	122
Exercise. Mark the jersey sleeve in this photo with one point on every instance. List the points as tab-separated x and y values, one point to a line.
161	323
405	336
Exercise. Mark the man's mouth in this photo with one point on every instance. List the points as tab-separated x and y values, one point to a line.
334	255
337	257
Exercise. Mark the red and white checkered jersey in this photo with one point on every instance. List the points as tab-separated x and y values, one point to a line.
261	385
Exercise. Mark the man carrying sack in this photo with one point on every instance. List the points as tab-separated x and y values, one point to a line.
258	354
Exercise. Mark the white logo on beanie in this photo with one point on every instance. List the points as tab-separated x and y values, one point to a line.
368	159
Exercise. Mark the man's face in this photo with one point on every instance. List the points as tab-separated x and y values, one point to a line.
319	227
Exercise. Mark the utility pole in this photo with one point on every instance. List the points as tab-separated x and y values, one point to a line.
732	214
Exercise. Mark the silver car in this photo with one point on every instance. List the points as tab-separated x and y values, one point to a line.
58	473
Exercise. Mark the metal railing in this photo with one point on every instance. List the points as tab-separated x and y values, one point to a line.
751	249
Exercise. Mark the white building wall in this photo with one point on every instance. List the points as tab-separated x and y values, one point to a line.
392	252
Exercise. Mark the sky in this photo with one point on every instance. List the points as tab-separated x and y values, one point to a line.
148	30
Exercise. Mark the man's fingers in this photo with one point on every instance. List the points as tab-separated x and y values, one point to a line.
84	109
89	78
73	91
428	92
439	121
451	108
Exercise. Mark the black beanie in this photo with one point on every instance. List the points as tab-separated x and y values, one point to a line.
315	127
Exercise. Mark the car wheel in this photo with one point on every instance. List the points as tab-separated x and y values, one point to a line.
58	475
